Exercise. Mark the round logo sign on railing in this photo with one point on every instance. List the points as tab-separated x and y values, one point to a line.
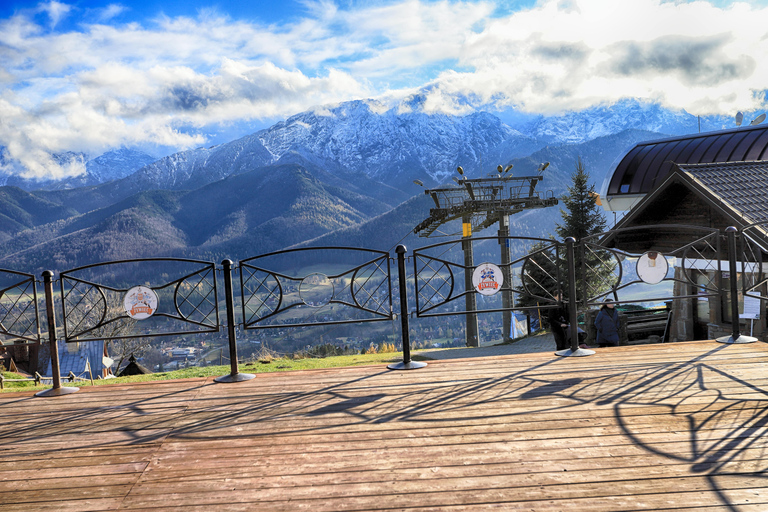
140	302
487	279
652	267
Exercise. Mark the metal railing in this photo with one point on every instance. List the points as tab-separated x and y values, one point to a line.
291	297
286	289
92	300
19	315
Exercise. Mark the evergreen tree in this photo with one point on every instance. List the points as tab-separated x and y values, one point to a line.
582	217
540	275
546	273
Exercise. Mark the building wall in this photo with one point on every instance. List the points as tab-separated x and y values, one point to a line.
683	315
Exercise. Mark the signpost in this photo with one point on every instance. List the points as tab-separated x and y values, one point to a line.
751	310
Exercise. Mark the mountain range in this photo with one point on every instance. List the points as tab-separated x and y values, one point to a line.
336	175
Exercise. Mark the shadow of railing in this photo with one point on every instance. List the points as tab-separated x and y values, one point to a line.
712	418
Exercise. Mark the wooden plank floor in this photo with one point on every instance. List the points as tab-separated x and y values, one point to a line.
657	427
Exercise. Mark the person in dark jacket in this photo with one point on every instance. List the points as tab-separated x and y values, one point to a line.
607	325
558	321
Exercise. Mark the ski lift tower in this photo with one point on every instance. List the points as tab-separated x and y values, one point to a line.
480	203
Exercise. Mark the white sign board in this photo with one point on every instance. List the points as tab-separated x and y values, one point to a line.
652	267
751	307
487	279
140	302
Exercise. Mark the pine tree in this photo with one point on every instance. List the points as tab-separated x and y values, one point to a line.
540	275
582	216
545	273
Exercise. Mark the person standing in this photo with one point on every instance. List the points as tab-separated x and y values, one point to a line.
607	325
558	322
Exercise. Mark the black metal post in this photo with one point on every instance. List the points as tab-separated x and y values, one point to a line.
407	364
234	375
506	292
57	390
573	305
735	337
472	329
731	233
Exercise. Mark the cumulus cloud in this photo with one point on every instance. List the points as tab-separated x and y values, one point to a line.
56	11
696	62
167	80
560	56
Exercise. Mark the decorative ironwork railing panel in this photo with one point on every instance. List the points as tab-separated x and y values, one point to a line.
751	261
532	275
607	273
138	298
19	313
315	286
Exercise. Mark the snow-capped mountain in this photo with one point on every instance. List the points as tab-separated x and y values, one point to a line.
112	165
116	164
589	124
390	145
357	138
394	143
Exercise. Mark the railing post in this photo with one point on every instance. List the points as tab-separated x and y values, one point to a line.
57	389
234	375
573	305
470	300
506	294
735	337
407	364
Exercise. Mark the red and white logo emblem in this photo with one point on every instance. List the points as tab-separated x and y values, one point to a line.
487	279
140	302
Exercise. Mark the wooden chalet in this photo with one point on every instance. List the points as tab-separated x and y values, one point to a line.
698	180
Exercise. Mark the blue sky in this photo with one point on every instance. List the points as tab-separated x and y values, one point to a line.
90	76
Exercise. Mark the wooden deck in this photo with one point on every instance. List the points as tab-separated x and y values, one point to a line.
659	427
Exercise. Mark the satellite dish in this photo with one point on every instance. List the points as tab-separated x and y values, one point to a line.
739	118
759	119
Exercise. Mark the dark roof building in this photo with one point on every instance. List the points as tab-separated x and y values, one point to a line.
710	181
133	368
645	166
75	358
707	195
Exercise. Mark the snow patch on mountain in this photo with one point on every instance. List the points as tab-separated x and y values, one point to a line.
600	121
384	143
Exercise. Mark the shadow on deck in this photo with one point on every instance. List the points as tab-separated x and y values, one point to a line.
658	427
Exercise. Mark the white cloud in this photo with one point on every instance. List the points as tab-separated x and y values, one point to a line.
56	11
165	80
689	55
111	11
